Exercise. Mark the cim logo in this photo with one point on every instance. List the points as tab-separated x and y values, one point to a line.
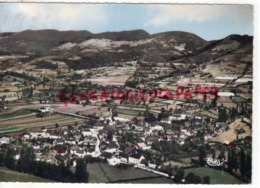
214	162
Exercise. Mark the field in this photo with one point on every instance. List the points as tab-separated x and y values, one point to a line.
10	130
238	99
129	112
33	122
111	80
230	134
216	176
20	118
103	173
14	114
7	175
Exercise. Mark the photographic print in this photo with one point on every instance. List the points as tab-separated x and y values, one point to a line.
126	93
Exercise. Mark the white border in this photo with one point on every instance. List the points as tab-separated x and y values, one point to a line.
256	91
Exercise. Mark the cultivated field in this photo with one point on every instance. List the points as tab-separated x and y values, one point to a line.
110	80
216	176
32	122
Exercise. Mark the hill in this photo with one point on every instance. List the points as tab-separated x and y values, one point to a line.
39	40
124	35
95	50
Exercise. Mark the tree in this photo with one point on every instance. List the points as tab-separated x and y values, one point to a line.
179	175
150	118
191	178
135	120
110	135
233	113
232	159
214	102
9	159
206	180
242	162
57	125
222	114
2	159
151	100
81	173
202	155
248	166
26	160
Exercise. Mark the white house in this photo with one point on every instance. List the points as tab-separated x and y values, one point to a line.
80	153
5	140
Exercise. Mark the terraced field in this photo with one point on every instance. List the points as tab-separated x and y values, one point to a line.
38	122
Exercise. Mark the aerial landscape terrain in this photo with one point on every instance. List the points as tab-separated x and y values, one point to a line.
125	107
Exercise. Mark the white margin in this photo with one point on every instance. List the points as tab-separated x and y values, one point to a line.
256	95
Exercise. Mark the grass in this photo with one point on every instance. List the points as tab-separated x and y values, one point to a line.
7	175
103	173
16	113
237	99
216	176
129	112
133	106
10	130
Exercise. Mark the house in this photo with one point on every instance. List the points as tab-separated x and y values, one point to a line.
61	150
106	155
38	156
112	145
123	157
90	141
142	145
80	153
113	161
151	165
86	132
61	158
134	158
70	140
143	163
103	145
73	149
53	134
59	141
26	137
5	140
150	139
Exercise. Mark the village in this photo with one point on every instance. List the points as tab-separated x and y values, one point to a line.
154	133
166	108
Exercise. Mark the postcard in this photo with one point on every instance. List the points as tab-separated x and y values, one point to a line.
126	93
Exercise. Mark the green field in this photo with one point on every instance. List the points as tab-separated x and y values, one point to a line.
237	99
216	176
103	173
129	112
16	113
10	130
230	89
7	175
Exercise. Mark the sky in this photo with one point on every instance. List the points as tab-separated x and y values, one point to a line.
207	21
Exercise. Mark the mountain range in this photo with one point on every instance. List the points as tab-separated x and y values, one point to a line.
104	48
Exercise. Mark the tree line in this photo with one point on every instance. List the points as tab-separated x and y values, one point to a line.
27	164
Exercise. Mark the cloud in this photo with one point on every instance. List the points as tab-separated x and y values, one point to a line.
166	14
56	16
